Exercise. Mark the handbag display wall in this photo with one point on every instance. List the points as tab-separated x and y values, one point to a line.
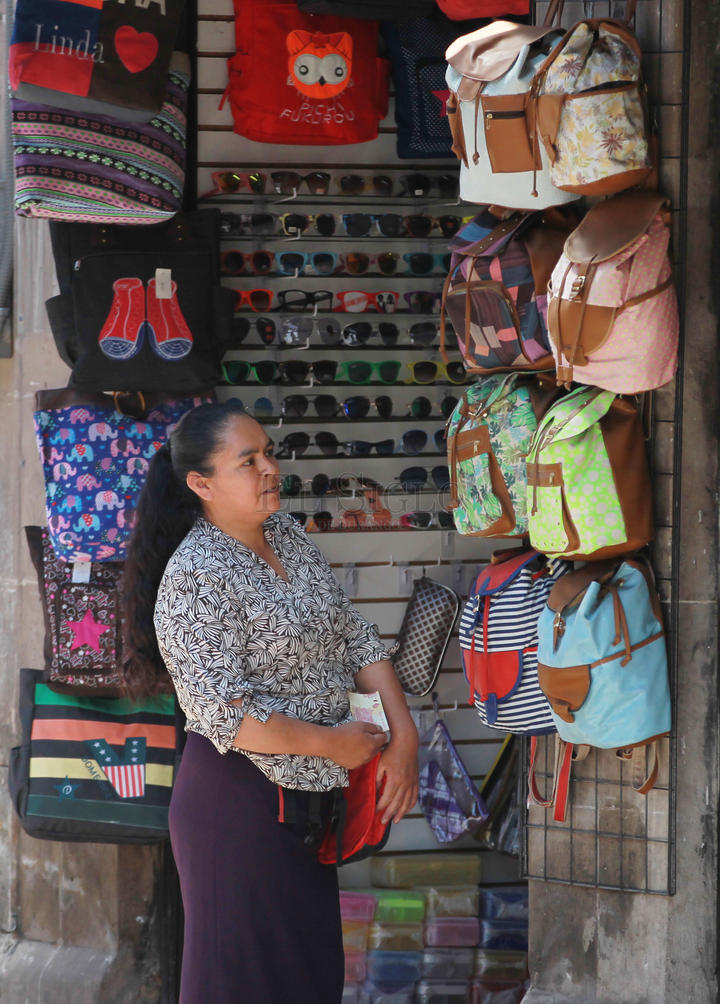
106	58
141	309
93	769
92	168
94	459
305	78
83	619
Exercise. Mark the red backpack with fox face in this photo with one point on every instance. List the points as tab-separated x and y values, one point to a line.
305	79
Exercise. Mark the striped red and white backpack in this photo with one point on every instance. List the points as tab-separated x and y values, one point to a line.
498	640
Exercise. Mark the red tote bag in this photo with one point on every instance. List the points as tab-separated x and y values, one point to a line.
461	10
305	79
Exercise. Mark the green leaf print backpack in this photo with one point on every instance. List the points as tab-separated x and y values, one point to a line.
588	484
488	438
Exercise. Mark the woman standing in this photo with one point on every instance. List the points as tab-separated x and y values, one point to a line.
232	599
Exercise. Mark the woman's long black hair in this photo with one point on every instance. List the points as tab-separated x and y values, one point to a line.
166	510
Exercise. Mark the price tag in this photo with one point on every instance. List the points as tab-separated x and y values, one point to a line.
163	283
81	572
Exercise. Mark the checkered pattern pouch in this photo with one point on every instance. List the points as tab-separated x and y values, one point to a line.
424	635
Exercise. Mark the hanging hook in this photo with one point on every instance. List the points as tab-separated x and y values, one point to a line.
279	425
301	348
287	198
391	562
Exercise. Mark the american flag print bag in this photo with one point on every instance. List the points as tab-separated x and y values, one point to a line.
93	769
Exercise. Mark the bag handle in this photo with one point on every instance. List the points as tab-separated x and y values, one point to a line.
565	753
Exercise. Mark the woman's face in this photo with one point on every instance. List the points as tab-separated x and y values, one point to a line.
245	483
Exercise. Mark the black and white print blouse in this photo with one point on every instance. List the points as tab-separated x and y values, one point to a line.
228	626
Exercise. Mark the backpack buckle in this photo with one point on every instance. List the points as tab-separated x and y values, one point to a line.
577	286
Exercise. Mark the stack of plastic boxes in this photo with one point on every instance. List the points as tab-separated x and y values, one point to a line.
433	935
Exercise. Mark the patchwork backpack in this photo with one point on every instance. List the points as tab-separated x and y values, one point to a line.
488	437
602	664
498	640
490	73
141	309
95	451
589	491
495	294
309	79
612	314
589	106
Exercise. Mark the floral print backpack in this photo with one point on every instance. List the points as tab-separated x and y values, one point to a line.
488	437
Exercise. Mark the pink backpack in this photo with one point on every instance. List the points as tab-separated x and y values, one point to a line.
612	309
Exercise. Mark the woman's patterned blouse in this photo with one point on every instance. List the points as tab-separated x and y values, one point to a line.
228	626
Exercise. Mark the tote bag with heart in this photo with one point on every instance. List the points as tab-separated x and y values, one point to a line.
108	58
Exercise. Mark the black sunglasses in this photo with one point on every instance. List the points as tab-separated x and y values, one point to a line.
299	299
289	182
413	478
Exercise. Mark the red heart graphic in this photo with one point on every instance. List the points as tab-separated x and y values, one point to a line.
136	49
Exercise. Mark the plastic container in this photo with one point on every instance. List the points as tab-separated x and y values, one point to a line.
394	967
497	992
397	871
491	964
355	936
452	931
358	906
509	902
355	966
396	937
351	993
451	901
504	935
391	993
399	906
448	963
442	992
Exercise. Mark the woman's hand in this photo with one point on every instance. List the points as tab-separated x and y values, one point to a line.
355	743
398	768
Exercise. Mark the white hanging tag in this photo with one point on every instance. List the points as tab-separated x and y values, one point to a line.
163	283
81	573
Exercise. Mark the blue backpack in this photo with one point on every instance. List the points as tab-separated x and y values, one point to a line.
602	662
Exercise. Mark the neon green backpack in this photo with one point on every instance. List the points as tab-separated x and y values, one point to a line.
488	437
588	483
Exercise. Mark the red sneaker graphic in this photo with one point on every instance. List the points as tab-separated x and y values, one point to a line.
121	335
170	336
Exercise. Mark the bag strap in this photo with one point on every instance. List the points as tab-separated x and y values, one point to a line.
642	778
565	753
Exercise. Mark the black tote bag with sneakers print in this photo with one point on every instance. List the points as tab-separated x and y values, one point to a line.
141	309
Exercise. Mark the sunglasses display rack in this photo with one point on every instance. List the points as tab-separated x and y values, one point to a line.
338	275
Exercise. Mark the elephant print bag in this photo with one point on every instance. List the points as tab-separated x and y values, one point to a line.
95	451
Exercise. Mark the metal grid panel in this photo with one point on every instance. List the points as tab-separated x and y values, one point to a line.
614	838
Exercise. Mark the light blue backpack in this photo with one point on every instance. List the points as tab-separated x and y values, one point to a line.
602	662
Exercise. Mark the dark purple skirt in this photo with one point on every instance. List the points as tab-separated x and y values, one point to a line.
262	916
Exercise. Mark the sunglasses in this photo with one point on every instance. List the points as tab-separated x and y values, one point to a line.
421	407
263	407
258	300
415	440
298	330
264	327
238	262
358	263
296	405
413	478
318	520
420	185
295	224
292	485
356	184
421	301
299	299
295	262
394	225
296	444
294	371
355	301
361	371
239	224
358	407
359	332
425	371
423	262
423	333
424	520
229	182
289	182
